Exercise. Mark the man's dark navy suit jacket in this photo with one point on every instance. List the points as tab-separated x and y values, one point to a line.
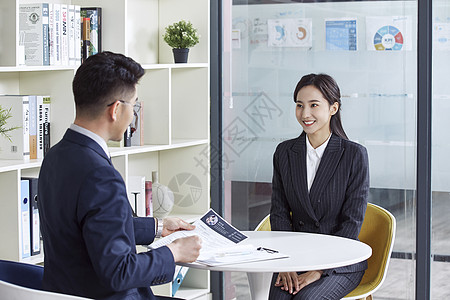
89	233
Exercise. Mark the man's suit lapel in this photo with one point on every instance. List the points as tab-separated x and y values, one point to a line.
327	167
297	159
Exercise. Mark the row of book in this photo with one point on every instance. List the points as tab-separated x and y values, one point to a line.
58	34
30	118
29	217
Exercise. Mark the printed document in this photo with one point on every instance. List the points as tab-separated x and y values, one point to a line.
221	242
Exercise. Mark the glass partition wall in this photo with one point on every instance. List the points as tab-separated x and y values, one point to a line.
369	47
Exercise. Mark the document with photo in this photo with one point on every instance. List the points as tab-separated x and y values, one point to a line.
221	242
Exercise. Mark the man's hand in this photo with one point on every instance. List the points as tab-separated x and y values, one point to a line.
170	225
293	283
186	249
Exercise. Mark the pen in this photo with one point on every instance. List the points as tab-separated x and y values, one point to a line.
267	250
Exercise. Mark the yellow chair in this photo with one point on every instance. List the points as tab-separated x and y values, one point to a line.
377	231
264	225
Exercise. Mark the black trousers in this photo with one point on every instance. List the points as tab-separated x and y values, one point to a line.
330	287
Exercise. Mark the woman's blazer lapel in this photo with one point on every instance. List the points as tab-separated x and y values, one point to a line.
297	163
327	167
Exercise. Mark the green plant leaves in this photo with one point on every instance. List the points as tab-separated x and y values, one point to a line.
5	114
181	34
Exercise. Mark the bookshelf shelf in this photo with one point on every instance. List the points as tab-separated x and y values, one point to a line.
176	109
13	165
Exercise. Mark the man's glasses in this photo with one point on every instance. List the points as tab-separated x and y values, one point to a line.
136	106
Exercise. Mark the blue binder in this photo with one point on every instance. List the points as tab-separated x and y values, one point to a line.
178	278
25	218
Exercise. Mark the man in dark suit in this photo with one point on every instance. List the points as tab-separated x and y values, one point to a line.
89	233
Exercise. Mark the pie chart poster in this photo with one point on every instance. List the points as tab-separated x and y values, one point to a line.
289	32
389	33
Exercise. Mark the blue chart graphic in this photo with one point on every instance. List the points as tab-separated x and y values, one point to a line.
388	38
281	34
341	35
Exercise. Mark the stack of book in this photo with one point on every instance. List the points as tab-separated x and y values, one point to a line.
30	115
51	33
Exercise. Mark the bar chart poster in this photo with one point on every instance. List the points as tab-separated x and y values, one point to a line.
289	32
389	33
341	34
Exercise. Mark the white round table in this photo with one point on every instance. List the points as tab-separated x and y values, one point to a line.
307	251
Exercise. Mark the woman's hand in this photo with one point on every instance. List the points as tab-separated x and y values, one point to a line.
307	278
293	283
288	281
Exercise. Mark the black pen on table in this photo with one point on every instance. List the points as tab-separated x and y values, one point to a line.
267	250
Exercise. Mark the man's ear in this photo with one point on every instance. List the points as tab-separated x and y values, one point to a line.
113	111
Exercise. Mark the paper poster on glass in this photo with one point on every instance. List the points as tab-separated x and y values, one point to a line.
389	33
236	38
289	32
341	34
441	36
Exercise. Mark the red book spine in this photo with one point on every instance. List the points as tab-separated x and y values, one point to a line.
148	199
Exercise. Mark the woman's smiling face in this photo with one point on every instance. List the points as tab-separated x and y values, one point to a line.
314	112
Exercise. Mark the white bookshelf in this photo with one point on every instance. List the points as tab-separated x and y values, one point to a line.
176	110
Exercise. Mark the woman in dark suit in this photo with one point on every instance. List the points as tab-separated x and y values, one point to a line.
320	185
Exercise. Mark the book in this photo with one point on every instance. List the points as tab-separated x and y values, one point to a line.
127	137
57	32
46	124
64	34
77	35
137	126
33	24
180	273
86	39
136	195
148	199
51	34
43	103
115	143
35	234
25	218
71	31
33	126
19	146
95	28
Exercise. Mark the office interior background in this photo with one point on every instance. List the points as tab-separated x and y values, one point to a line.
395	102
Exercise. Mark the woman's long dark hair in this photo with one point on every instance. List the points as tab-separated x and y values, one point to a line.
330	91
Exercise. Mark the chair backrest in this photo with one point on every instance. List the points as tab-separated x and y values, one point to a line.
264	225
24	281
377	231
14	292
22	274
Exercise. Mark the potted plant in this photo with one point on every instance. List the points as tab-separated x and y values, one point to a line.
5	114
181	36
